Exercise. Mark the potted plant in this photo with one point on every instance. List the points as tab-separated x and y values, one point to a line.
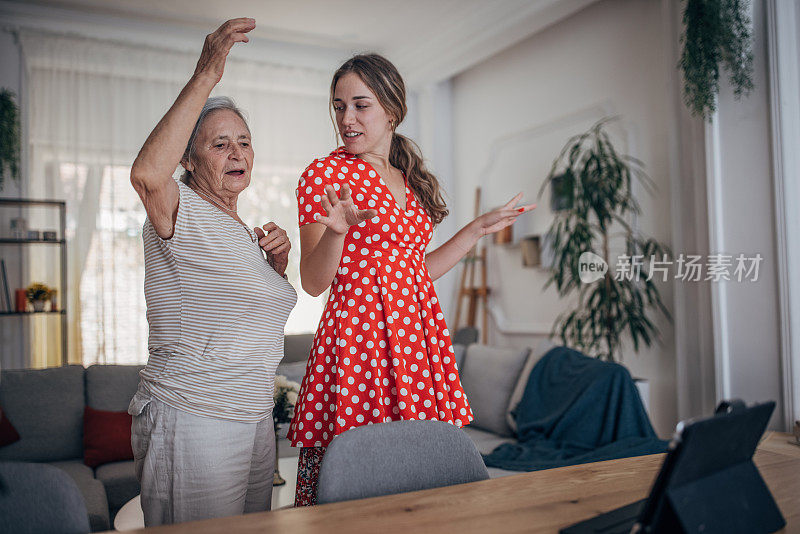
595	221
9	136
38	294
285	397
716	34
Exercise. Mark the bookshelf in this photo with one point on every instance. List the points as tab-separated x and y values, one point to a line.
59	244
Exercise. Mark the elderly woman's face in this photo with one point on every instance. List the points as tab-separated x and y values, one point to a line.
223	155
363	123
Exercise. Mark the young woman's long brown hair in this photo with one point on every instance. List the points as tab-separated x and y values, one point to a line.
382	78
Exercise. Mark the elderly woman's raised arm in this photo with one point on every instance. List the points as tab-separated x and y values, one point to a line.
151	173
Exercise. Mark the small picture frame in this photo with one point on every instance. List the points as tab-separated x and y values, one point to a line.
531	251
34	235
50	235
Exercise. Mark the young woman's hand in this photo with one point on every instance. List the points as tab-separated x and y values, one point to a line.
342	212
496	220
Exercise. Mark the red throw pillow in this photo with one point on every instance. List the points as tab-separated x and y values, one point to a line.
106	437
8	434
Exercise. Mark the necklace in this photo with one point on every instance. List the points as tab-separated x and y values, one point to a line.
231	213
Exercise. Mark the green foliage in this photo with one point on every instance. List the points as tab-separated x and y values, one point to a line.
716	32
601	199
9	136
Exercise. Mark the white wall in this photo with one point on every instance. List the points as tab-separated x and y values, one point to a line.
715	191
514	112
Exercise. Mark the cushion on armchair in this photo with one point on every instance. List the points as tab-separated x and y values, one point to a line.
296	350
541	349
297	347
46	406
111	387
458	354
8	434
106	437
488	376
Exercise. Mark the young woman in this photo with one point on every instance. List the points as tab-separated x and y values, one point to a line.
382	351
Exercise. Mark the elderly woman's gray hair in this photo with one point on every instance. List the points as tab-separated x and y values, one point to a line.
214	103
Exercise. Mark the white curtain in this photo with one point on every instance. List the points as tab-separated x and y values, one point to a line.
91	106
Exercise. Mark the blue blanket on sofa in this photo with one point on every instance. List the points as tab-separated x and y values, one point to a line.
575	410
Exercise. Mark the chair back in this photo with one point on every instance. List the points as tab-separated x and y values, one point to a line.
396	457
40	498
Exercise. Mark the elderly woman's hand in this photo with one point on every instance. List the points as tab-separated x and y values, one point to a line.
217	45
274	241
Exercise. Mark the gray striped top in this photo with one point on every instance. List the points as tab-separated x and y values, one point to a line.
216	311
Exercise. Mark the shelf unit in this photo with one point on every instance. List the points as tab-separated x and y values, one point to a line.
61	243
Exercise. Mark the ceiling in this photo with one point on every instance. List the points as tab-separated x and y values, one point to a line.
429	40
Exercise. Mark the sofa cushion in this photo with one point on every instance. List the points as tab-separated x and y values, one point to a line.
93	491
111	387
46	406
293	371
119	479
297	347
8	434
486	443
488	376
541	349
458	354
106	437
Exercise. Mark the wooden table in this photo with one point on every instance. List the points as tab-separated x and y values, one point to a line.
542	501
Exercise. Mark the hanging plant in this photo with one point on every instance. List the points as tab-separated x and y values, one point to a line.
716	33
594	219
9	136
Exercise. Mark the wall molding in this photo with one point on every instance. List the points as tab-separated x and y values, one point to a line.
509	327
716	238
592	113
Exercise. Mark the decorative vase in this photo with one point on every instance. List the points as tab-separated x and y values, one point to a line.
21	301
38	305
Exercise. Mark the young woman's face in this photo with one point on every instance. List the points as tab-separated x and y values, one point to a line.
223	155
363	124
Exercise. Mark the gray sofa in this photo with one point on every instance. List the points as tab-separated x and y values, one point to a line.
46	408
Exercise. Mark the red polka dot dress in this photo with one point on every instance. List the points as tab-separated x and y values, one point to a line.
382	351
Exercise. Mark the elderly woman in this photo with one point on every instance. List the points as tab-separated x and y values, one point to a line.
217	302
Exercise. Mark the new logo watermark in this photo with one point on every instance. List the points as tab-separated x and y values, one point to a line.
687	267
591	267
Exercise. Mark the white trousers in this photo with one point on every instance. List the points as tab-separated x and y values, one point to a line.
193	467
